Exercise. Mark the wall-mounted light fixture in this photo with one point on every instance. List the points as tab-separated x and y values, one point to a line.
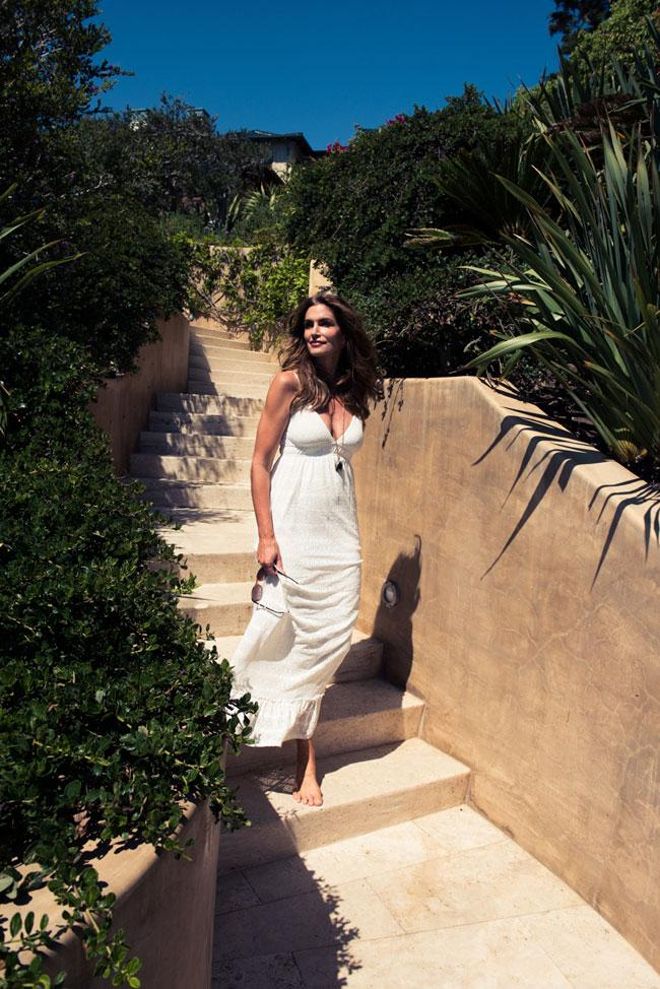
390	594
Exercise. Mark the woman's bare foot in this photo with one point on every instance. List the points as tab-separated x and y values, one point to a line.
308	790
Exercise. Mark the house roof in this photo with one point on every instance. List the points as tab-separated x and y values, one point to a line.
269	136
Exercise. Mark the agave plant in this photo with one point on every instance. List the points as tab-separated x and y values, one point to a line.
591	290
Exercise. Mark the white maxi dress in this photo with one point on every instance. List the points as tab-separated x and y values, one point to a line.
285	661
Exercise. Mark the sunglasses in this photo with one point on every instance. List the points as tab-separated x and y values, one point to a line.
258	588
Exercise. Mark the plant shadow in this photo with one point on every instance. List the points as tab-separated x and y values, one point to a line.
556	464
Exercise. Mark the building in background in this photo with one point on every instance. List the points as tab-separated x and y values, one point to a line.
282	151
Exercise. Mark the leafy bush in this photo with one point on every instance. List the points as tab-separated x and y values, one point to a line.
111	711
170	158
248	287
620	36
130	273
352	209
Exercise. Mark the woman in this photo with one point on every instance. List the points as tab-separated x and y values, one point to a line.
307	594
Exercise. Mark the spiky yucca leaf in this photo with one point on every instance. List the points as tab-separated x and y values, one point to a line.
592	290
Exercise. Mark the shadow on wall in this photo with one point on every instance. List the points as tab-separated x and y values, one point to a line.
394	625
557	464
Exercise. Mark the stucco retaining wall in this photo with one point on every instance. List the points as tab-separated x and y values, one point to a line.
529	622
165	906
123	404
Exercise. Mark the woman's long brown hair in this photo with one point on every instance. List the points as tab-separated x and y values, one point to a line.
357	380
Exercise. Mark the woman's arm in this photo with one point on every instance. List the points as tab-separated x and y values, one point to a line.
281	392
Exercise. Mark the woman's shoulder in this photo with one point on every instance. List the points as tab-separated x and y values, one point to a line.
287	381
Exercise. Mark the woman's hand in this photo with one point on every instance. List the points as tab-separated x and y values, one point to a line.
268	553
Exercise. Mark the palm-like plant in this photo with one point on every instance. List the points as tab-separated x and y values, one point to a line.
590	286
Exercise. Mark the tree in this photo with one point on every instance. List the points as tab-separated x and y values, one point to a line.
572	16
169	157
49	76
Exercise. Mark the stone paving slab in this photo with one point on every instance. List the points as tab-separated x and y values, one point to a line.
493	917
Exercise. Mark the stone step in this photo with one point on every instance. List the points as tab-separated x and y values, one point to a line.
211	470
364	791
237	389
240	376
202	324
214	334
227	608
196	445
209	425
363	661
214	339
164	493
226	405
353	716
219	547
226	348
219	360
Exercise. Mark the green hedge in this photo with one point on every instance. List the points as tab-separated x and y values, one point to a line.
111	710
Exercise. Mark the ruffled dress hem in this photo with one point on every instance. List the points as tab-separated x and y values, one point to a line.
278	721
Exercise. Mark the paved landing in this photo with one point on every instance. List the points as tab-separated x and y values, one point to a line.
446	901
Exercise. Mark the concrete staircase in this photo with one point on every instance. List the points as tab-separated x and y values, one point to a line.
194	461
293	886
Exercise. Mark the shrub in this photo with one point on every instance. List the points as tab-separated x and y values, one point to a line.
251	288
130	273
352	209
111	710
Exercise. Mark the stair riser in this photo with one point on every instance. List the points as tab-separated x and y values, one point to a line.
229	389
205	469
212	327
363	661
208	496
279	839
213	340
214	359
226	348
224	619
334	737
177	445
226	405
262	374
221	568
228	380
188	423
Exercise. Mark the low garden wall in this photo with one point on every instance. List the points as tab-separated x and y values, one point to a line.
123	404
529	570
164	904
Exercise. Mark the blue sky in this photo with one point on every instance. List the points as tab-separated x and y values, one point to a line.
322	69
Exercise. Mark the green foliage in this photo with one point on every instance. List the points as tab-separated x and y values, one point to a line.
352	209
170	158
49	76
112	713
590	290
271	280
572	18
246	287
420	324
620	36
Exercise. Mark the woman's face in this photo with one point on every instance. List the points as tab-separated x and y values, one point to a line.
322	333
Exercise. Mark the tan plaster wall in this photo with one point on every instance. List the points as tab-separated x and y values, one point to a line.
165	905
538	671
123	404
